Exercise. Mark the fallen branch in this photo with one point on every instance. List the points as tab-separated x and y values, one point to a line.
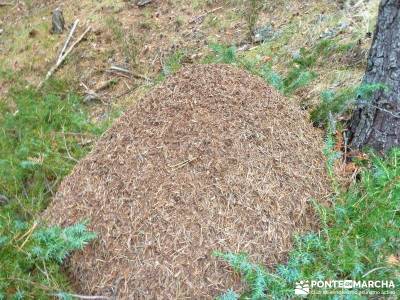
86	297
120	74
118	69
6	4
71	33
62	58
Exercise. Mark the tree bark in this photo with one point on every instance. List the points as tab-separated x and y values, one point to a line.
376	122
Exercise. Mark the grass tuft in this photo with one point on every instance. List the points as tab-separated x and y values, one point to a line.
342	101
42	136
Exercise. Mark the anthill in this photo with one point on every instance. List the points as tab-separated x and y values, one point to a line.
212	159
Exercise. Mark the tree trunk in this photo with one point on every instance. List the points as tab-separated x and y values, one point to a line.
376	122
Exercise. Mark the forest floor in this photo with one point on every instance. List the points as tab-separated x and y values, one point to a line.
159	37
314	52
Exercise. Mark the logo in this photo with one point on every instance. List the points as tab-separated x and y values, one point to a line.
302	288
345	287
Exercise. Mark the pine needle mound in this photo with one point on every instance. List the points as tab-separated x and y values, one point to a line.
212	159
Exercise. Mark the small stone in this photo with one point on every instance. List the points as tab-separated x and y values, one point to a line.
91	96
244	47
328	34
57	21
263	34
141	3
296	54
343	26
3	200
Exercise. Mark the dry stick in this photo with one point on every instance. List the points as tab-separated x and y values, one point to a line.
28	233
66	147
60	61
88	297
6	4
120	74
122	70
119	69
373	270
71	33
16	239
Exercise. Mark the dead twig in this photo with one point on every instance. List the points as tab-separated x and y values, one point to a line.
373	270
71	33
88	297
28	235
120	74
63	57
119	69
66	148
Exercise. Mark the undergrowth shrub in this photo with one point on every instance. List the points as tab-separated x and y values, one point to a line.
223	54
359	240
296	79
228	295
300	73
31	255
342	101
173	62
40	141
42	136
300	69
272	78
171	65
